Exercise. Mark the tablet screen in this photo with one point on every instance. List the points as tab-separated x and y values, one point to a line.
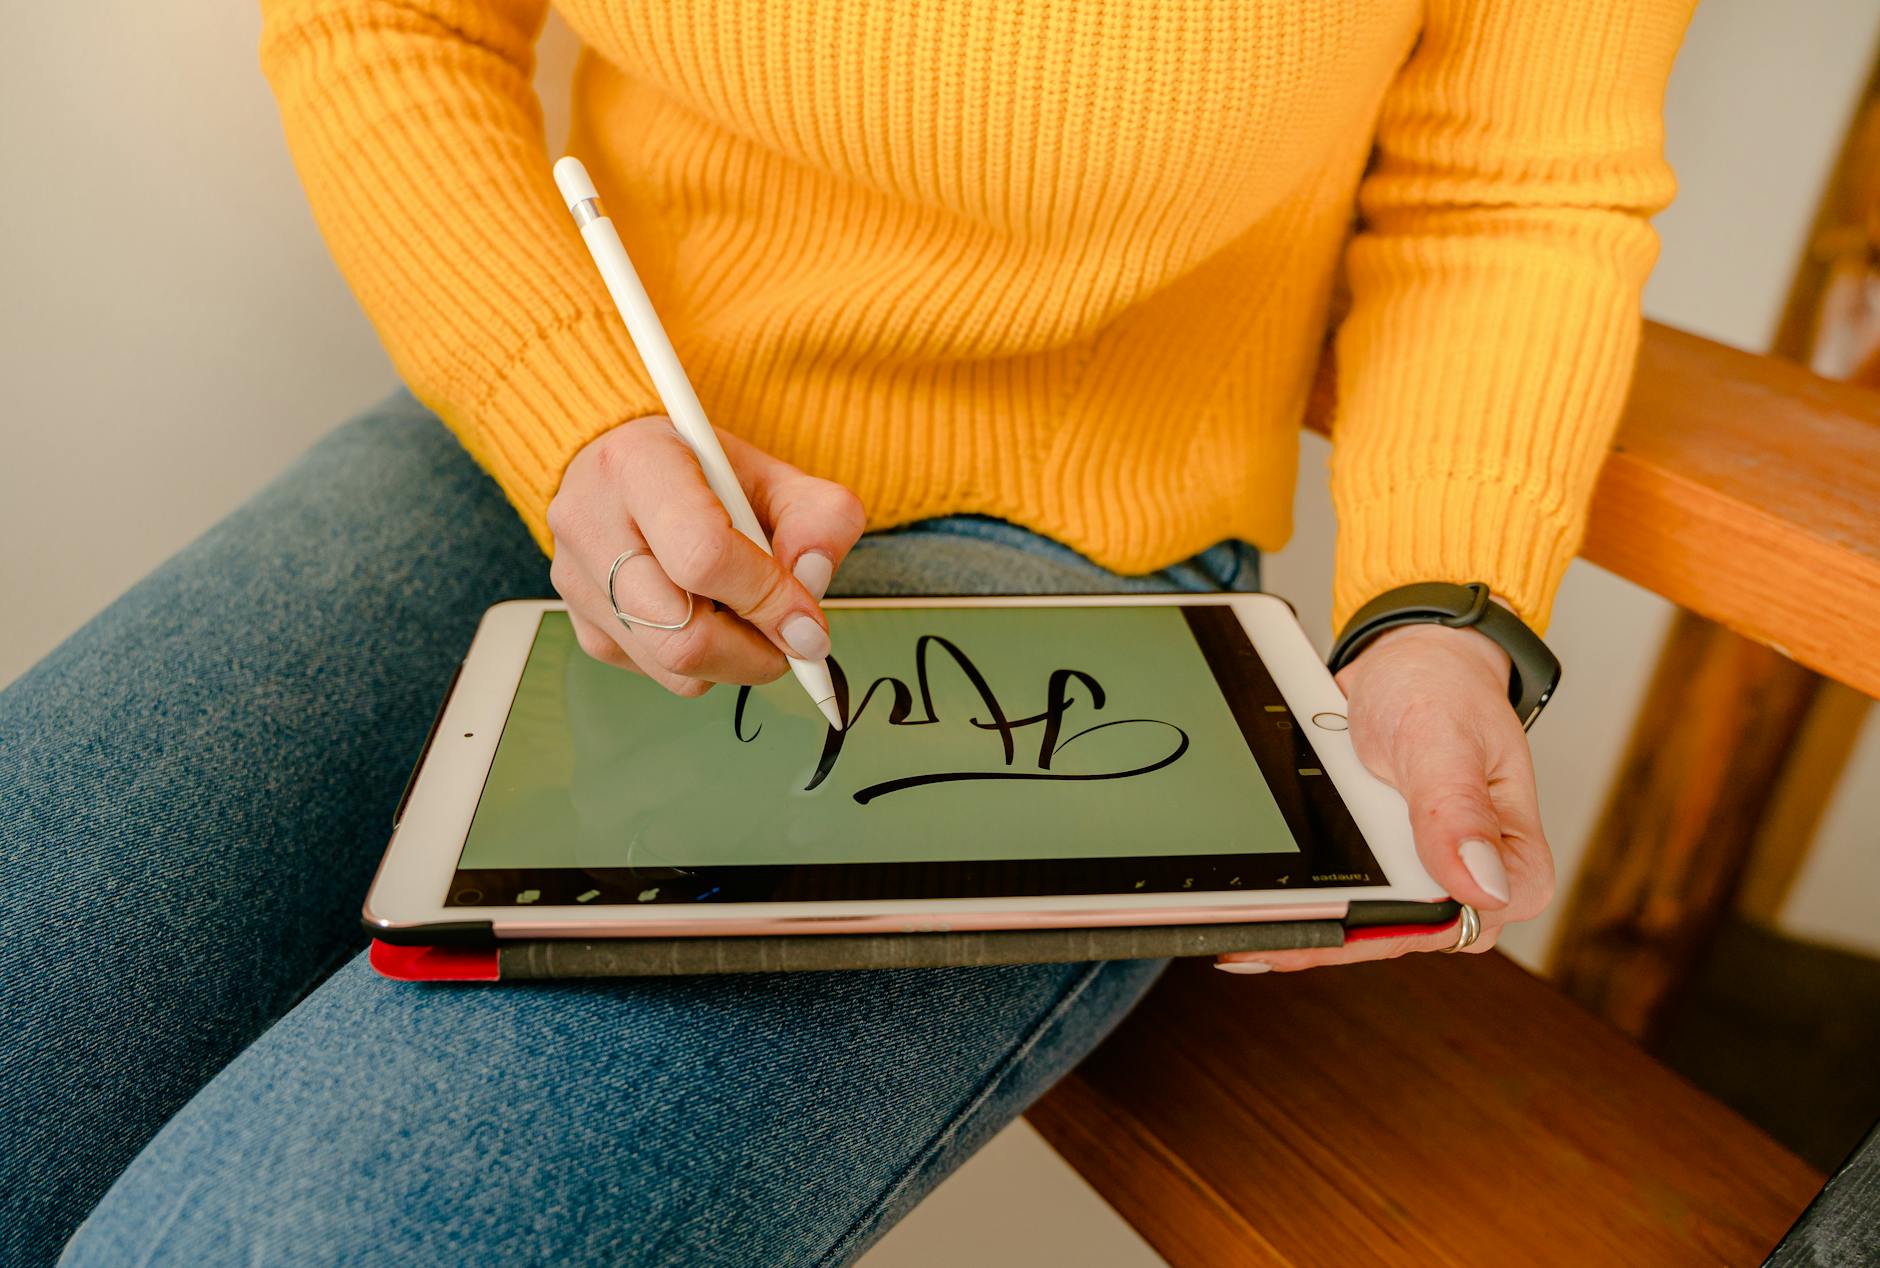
1098	749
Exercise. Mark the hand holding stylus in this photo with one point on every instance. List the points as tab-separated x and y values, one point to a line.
666	499
639	486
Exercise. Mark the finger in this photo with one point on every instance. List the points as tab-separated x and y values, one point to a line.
638	584
691	535
813	523
674	514
600	645
711	644
598	635
599	642
1524	849
1317	957
1441	768
713	647
1358	951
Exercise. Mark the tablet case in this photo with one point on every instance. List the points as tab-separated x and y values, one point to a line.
534	960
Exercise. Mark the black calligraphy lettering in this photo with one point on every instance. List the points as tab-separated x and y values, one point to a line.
865	795
1058	702
737	717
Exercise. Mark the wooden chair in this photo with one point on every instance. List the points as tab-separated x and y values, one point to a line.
1457	1110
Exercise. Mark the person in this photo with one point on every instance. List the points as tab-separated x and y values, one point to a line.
985	297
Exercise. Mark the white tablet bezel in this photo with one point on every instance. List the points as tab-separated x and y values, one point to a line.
409	890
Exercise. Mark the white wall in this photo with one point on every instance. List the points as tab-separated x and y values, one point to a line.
171	333
1759	102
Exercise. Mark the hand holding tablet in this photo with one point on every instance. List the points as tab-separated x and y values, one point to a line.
1430	711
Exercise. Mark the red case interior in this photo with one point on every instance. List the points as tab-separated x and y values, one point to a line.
435	964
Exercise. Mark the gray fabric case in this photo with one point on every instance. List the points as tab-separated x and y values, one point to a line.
674	957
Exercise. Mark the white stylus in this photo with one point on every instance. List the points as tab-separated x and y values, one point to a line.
675	389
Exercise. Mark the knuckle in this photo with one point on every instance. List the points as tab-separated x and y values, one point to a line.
775	591
845	508
686	652
595	643
1454	801
1540	895
569	518
700	564
689	688
610	453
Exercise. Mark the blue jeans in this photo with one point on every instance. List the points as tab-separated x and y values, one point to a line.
194	790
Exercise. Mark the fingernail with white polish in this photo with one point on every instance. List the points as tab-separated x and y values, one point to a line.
806	639
813	569
1245	966
1484	863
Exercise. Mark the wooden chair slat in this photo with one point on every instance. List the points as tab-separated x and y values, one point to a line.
1745	489
1428	1111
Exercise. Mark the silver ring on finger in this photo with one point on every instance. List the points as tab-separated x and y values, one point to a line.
1470	926
628	619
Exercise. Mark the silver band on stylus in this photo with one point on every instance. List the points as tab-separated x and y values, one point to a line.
585	210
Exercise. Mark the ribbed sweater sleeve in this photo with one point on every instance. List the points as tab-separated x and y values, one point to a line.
1495	283
417	133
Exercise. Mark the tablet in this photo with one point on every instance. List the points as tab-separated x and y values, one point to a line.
1008	763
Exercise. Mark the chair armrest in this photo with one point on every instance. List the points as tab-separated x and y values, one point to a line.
1747	490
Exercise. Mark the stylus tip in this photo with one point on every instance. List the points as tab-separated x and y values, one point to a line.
829	710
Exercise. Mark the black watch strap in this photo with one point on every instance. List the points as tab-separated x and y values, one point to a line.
1534	669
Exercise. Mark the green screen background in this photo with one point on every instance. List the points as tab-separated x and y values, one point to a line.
600	768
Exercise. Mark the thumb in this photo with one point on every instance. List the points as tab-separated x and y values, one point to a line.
1442	772
813	526
812	523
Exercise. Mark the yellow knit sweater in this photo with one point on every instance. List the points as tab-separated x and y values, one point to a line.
1069	262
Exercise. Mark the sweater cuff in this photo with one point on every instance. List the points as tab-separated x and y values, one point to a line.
1459	529
572	383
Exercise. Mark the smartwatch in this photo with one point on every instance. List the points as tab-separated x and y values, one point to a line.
1534	670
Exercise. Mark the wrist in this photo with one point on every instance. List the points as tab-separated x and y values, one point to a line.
1465	620
1460	665
1470	645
